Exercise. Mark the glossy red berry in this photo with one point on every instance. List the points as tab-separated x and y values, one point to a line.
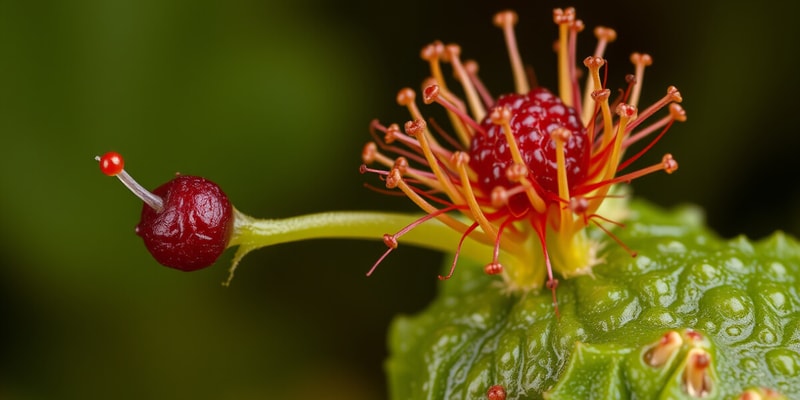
192	229
534	116
186	223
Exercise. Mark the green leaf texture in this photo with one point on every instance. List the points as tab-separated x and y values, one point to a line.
740	297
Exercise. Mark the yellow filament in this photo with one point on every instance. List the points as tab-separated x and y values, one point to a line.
606	109
473	99
564	83
429	208
472	202
444	179
563	188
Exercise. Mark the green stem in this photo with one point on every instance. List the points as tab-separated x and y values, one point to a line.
251	233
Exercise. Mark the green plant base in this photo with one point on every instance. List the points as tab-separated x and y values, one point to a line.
735	302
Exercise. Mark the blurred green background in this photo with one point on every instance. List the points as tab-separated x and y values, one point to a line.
272	100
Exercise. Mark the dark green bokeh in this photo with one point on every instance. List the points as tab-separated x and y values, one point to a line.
272	101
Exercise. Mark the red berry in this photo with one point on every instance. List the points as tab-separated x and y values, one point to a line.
192	228
533	117
111	163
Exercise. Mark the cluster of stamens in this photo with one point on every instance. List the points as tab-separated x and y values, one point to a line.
524	173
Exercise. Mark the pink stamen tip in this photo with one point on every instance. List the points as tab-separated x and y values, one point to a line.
393	179
390	241
405	96
604	33
641	59
626	110
674	94
670	165
432	51
493	268
505	18
677	112
415	128
430	94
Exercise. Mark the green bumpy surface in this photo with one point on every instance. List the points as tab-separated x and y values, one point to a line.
742	297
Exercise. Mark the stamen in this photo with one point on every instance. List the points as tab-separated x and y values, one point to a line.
395	180
461	160
560	136
673	95
564	19
676	113
640	60
604	36
471	66
418	129
495	267
626	112
391	240
432	53
518	173
431	94
458	251
600	95
575	27
667	164
506	21
473	99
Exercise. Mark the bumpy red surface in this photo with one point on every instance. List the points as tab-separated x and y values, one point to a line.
534	116
194	226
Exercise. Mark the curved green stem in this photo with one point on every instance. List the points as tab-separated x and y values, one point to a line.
251	233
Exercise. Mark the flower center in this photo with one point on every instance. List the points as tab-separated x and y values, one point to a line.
534	116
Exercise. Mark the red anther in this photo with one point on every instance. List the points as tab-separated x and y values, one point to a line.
641	59
674	94
670	165
578	205
405	96
391	134
504	18
393	179
552	284
565	16
415	127
500	115
401	164
493	268
499	197
677	112
432	51
601	95
390	241
604	33
626	110
561	134
430	94
593	62
515	172
111	163
368	154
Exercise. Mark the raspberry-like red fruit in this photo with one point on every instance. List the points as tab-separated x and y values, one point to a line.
533	117
194	226
186	223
